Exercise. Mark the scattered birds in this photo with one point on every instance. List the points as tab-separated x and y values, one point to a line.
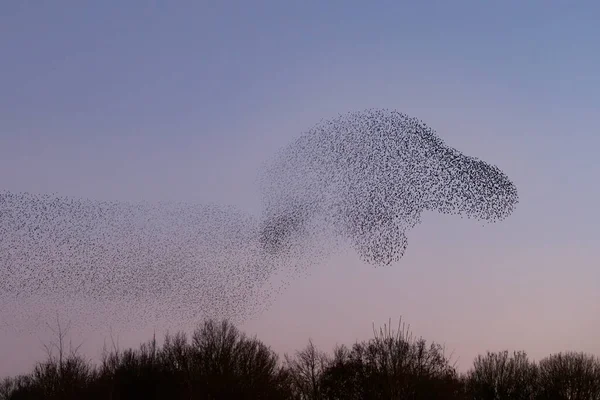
174	261
363	178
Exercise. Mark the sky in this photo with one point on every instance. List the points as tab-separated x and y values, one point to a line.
184	101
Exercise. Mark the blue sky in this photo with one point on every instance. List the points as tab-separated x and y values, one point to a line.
184	101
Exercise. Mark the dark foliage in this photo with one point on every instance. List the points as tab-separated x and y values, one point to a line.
220	362
392	365
572	376
503	376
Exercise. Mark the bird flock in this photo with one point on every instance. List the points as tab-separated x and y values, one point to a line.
362	179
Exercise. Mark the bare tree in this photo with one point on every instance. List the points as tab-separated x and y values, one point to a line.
392	365
221	362
6	388
59	345
570	376
227	364
306	369
503	375
64	374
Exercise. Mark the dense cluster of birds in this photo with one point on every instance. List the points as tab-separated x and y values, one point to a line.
368	176
363	179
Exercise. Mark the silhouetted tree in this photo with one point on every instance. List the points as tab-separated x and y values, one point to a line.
7	386
306	371
342	378
570	376
220	362
503	376
135	373
19	388
64	374
392	365
225	364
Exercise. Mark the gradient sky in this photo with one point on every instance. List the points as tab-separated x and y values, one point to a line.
184	101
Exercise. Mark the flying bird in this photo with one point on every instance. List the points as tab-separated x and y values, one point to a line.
369	176
363	178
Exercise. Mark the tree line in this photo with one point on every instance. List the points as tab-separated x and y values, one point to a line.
218	361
